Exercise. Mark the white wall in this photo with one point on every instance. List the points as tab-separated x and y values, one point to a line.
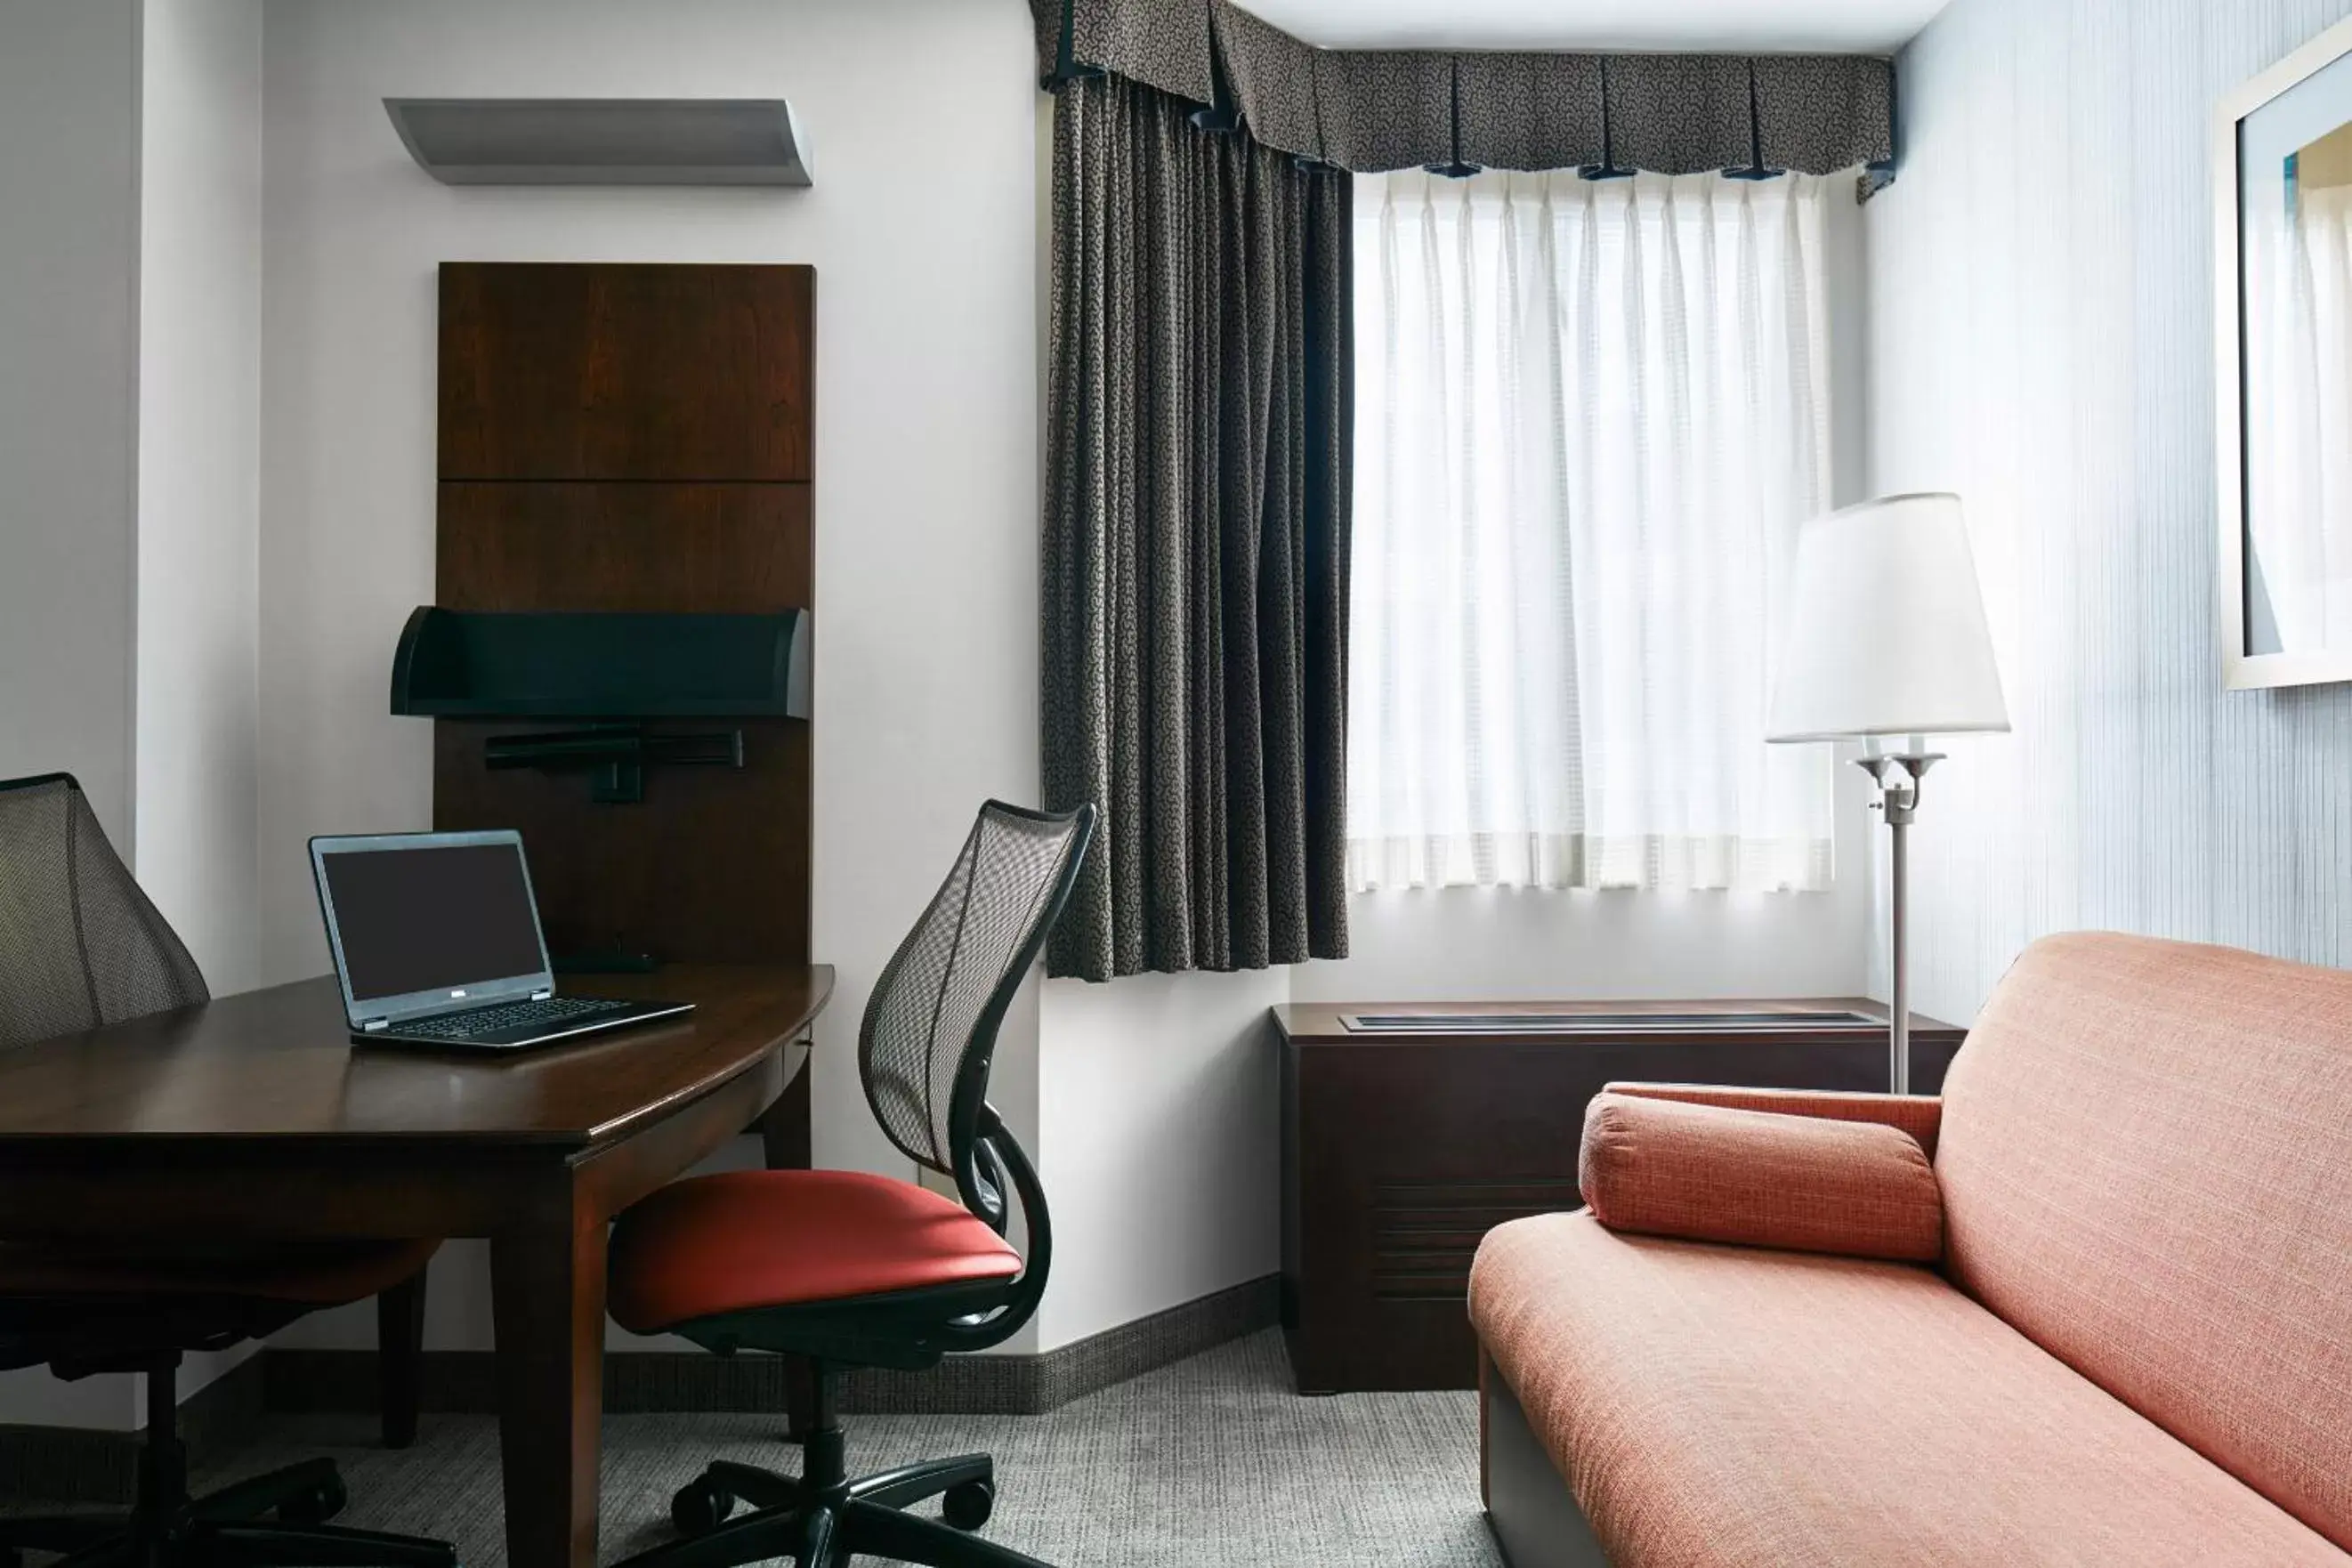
199	454
1158	1097
68	325
921	227
2040	285
130	408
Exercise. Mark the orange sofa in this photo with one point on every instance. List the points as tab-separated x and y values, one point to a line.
2092	1305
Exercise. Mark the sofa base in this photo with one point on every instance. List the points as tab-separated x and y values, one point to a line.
1533	1514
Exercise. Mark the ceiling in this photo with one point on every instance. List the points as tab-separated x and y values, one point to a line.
1853	26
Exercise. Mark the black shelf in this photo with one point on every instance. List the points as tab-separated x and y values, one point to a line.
455	664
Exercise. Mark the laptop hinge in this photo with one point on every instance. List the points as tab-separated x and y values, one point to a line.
541	996
368	1023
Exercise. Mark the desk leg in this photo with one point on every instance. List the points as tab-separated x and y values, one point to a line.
787	1135
400	1358
547	1279
784	1127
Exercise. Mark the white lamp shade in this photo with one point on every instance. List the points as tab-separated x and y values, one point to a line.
1886	627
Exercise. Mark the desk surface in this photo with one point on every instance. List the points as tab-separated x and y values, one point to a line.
274	1067
254	1117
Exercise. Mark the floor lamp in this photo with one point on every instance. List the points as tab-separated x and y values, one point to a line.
1888	645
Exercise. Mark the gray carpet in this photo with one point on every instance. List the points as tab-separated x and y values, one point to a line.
1212	1460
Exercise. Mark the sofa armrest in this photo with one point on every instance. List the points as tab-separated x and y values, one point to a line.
1655	1166
1920	1115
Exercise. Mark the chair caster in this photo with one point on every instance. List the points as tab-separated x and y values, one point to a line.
967	1504
315	1504
700	1507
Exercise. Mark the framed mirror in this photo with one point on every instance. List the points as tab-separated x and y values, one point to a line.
2282	203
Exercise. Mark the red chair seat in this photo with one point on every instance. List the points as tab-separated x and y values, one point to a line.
747	1239
319	1274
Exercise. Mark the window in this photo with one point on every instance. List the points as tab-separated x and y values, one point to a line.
1590	418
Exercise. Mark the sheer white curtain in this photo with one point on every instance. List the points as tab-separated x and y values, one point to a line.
1590	418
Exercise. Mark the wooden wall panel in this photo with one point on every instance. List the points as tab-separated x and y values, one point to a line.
634	438
593	371
743	549
712	866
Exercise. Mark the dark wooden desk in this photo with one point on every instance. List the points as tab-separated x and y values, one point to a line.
1402	1149
254	1117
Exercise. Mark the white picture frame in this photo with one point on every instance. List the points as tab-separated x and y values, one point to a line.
2250	656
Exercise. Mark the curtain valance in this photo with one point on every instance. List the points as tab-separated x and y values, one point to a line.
1370	110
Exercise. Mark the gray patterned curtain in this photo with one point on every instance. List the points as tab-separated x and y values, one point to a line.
1375	109
1195	548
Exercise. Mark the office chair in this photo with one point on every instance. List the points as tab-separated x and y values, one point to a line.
81	947
849	1269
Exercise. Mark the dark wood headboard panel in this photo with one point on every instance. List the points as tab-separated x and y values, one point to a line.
635	438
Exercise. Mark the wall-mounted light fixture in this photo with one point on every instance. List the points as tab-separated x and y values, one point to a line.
603	140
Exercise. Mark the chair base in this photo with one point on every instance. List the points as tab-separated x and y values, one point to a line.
821	1518
226	1528
823	1527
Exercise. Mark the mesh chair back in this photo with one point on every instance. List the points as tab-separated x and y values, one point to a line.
930	1025
79	944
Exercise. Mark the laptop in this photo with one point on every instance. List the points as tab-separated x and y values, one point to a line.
438	944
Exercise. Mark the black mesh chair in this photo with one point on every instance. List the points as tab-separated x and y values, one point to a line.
850	1269
81	947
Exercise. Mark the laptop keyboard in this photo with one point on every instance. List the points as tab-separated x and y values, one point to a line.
551	1010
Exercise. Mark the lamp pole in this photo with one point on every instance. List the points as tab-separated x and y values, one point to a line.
1887	644
1897	775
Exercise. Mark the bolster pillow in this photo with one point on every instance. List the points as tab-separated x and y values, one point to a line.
1755	1178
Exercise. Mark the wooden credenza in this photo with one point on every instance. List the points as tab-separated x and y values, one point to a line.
1403	1144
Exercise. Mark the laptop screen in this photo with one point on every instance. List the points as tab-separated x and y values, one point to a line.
432	917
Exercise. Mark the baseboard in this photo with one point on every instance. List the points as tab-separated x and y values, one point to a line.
1098	1362
67	1464
645	1381
94	1464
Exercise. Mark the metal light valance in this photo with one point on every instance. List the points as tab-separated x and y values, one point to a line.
1456	110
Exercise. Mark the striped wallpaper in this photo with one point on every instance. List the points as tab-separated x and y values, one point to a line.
2041	340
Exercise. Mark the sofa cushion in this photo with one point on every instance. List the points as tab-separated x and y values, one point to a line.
1715	1405
1918	1114
2147	1166
1709	1172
